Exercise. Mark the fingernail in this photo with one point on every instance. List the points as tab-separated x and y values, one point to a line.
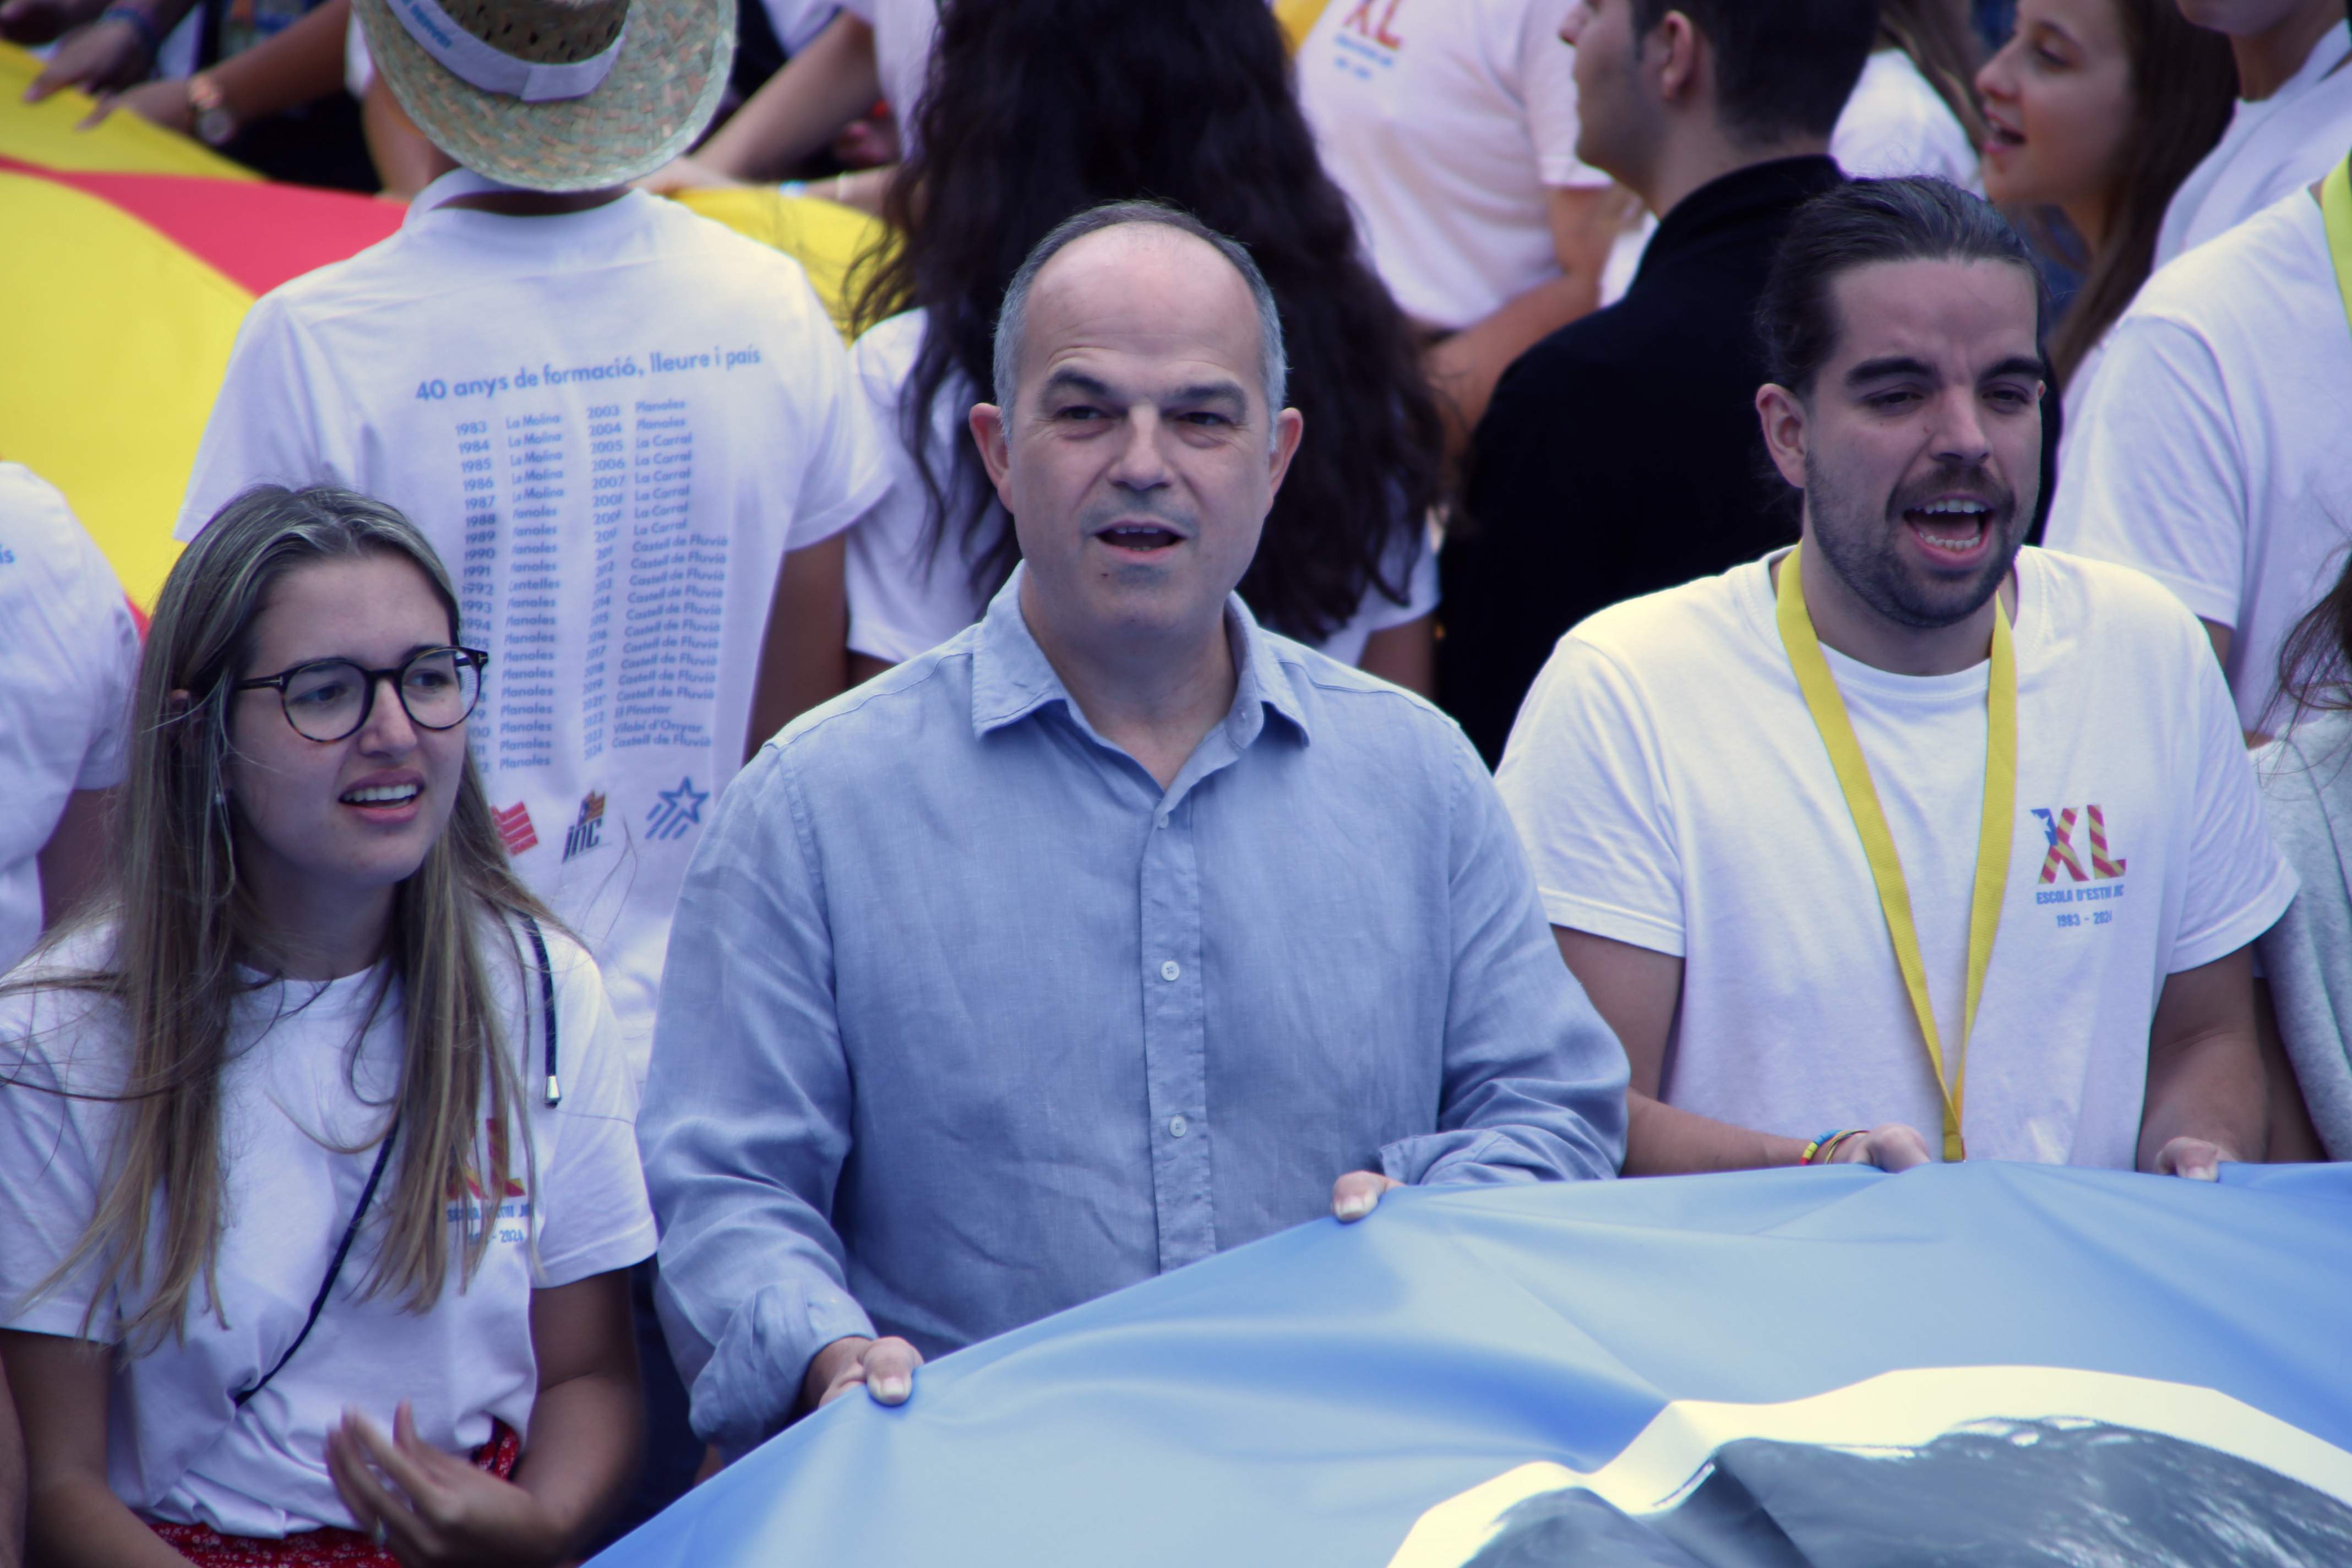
892	1390
1355	1206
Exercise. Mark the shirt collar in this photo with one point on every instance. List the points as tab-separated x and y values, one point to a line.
449	188
1765	193
1012	678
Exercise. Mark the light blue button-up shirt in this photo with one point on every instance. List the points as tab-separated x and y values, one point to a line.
966	1020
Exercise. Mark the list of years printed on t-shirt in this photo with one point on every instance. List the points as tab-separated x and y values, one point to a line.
655	586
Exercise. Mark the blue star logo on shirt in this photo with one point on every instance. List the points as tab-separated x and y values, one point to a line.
675	811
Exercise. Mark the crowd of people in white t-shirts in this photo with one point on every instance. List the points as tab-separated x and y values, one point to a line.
1371	593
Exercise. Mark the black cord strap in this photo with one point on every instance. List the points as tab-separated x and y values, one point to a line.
335	1268
546	1006
384	1157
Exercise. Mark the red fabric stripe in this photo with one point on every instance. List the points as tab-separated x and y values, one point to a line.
257	234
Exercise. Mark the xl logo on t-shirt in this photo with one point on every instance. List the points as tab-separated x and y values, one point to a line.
1380	32
2104	880
2058	827
495	1129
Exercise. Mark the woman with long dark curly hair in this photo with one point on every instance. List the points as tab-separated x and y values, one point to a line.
1039	109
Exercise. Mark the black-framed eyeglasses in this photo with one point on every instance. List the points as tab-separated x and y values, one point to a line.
331	698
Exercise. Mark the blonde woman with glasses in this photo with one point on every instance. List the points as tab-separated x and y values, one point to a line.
318	1175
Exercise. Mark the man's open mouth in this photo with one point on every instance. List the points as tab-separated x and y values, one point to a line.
1140	537
1955	525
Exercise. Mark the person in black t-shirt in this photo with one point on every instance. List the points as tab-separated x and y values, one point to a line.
1621	454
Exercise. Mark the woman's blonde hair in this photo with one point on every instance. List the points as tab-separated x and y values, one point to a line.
182	925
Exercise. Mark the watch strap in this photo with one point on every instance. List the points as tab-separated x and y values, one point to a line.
208	109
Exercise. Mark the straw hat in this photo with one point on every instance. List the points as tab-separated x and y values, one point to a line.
555	95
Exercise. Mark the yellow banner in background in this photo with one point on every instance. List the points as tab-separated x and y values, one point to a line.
103	398
117	334
824	237
1297	18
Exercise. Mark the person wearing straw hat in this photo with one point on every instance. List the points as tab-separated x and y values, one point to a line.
631	431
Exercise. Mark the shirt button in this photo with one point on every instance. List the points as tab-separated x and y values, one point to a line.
1161	820
1178	1127
1170	971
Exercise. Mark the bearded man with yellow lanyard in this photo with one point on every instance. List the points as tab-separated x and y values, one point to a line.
1908	843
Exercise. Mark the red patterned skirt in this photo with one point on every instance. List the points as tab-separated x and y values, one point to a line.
208	1548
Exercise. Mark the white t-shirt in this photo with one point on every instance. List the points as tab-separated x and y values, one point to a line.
2076	400
903	32
798	21
68	658
612	425
2216	442
293	1089
1894	124
2274	147
1446	122
903	600
1673	793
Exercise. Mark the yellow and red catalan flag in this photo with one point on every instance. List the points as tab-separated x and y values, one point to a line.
129	255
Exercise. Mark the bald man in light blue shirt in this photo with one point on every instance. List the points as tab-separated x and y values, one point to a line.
1113	932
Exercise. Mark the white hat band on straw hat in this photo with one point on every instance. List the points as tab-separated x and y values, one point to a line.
554	95
492	69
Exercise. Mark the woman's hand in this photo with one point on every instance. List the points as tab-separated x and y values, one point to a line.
109	54
439	1510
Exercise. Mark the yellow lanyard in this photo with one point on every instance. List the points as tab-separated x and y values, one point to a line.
1819	687
2336	212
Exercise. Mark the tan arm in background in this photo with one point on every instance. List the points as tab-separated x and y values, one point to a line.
795	111
73	862
285	70
803	654
1404	655
2208	1097
1465	366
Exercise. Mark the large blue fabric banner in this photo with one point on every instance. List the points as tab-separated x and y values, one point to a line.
1979	1366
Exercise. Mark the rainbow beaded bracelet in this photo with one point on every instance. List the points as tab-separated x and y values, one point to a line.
1820	1149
